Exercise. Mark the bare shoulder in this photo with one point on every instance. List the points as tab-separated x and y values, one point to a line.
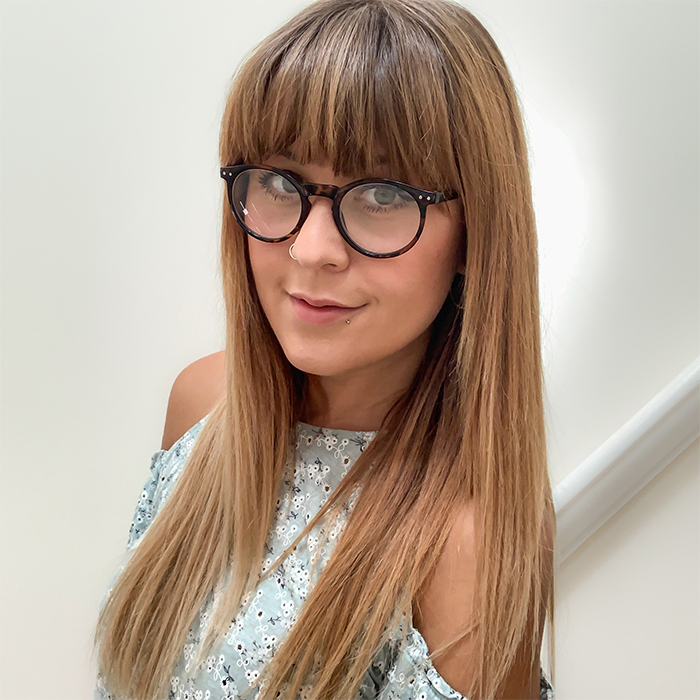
195	392
445	606
445	603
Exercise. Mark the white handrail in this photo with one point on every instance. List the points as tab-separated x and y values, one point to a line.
627	461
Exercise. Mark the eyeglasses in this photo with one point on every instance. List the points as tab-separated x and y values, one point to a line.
377	217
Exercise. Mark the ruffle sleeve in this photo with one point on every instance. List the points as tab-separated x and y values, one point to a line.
166	466
413	676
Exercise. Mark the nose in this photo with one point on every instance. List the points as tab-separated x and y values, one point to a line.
318	243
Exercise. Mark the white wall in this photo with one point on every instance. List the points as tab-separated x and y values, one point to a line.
109	116
628	599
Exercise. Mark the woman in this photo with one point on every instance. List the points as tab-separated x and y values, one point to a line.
365	509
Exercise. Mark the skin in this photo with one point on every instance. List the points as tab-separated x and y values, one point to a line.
357	370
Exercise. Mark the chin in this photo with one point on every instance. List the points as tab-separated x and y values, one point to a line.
314	358
315	365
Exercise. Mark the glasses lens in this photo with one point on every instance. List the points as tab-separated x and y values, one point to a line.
267	203
379	217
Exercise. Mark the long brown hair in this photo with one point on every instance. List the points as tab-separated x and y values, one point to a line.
425	82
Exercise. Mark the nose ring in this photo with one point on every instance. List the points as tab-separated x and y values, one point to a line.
291	255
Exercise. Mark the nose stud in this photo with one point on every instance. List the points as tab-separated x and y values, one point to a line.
291	255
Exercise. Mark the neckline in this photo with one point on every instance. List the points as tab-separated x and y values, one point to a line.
318	429
340	432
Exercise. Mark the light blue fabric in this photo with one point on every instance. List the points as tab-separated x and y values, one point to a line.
323	457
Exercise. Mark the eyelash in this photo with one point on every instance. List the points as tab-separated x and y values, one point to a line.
264	181
265	178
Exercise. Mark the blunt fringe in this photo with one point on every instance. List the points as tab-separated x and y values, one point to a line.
345	81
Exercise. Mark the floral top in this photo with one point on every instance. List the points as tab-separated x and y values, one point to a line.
323	457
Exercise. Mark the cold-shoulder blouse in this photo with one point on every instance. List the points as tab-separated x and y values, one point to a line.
322	458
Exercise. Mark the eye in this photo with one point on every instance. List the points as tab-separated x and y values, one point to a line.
277	184
383	196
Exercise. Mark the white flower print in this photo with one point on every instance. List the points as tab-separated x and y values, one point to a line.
317	465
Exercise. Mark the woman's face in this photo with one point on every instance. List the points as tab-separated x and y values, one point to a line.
390	303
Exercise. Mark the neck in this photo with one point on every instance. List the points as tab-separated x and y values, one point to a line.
360	399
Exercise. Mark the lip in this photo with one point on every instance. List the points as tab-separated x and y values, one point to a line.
320	310
321	302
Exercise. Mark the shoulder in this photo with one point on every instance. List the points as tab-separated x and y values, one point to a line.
195	392
445	604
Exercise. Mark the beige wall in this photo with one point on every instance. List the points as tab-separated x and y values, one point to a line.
628	606
110	200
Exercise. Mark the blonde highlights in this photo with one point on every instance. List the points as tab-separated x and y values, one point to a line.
421	83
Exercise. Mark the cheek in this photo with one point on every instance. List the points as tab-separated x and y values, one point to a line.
419	293
426	278
258	255
265	264
411	295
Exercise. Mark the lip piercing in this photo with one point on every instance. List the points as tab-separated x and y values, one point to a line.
291	255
